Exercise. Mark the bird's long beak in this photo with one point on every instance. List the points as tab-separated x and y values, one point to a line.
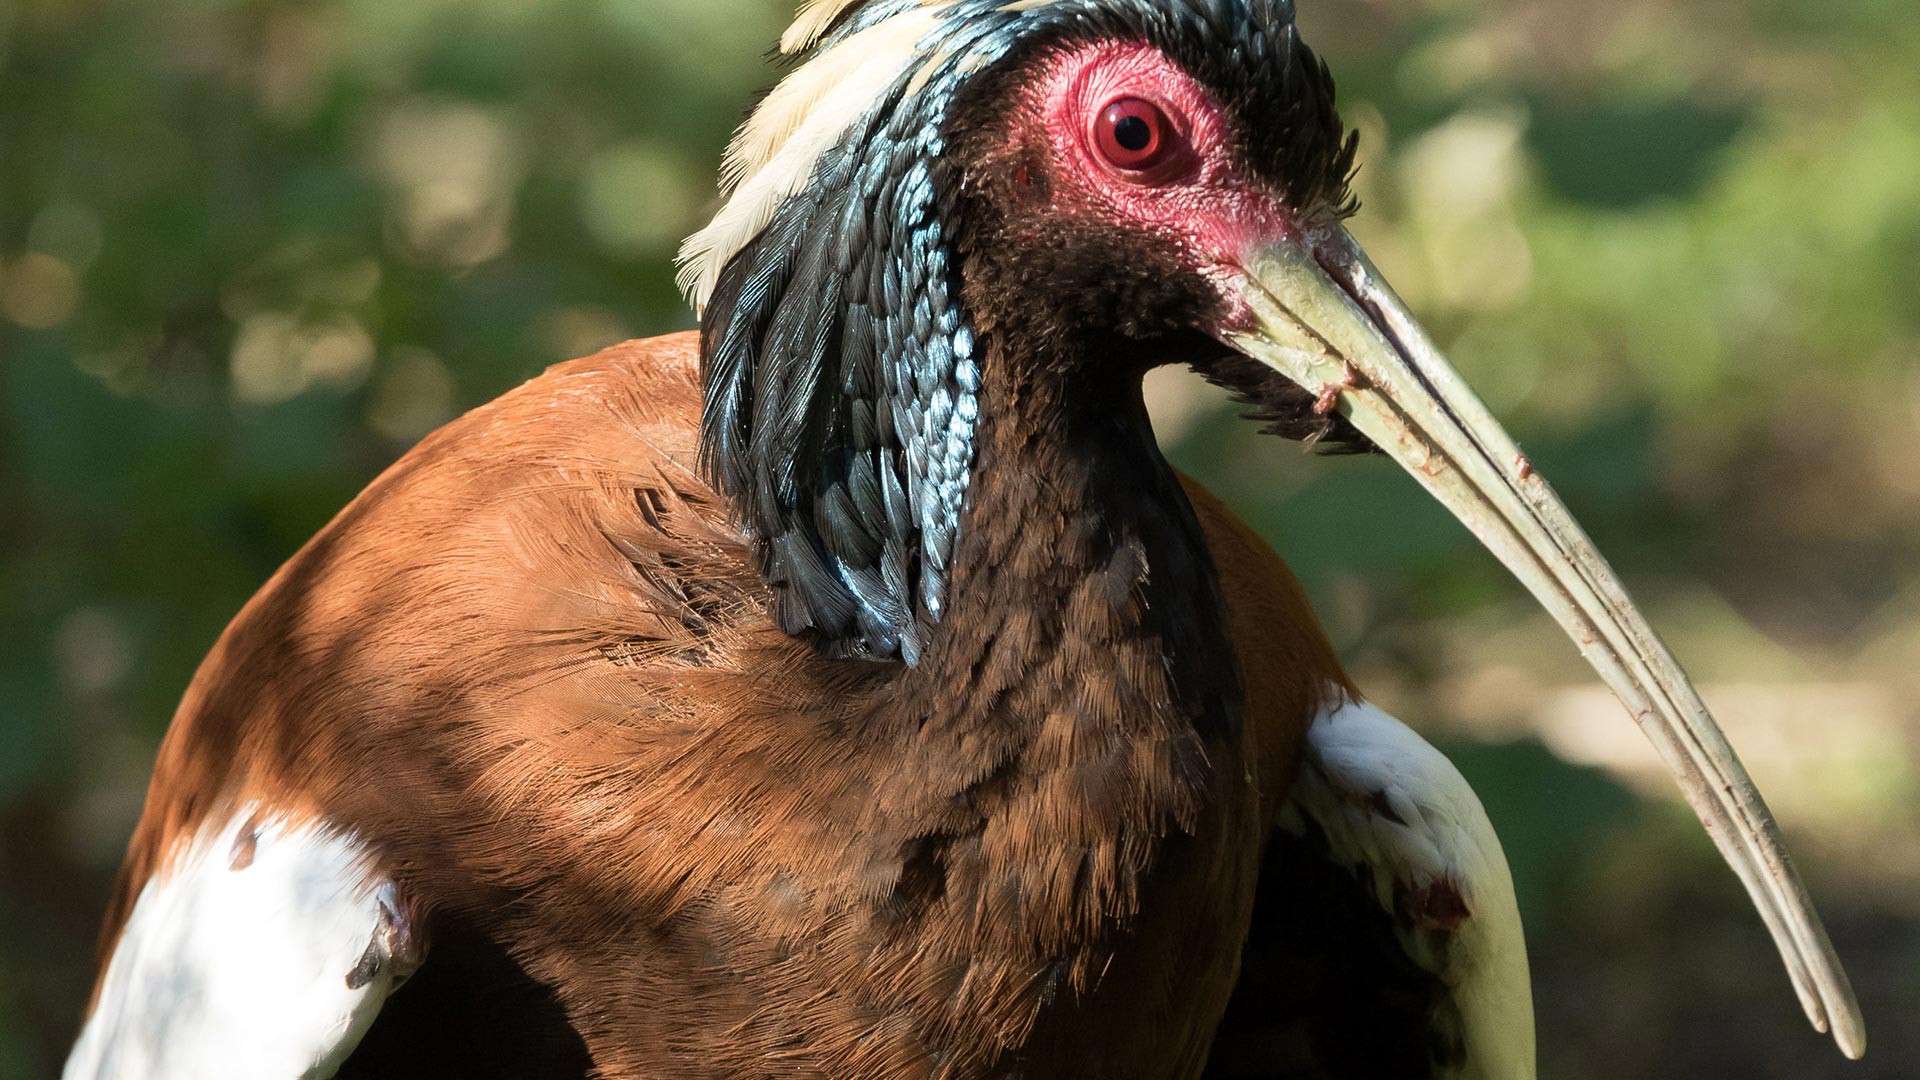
1321	315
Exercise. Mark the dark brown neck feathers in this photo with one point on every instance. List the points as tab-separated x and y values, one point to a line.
1071	736
1079	551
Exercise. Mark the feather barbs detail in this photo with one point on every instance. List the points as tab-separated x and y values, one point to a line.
812	22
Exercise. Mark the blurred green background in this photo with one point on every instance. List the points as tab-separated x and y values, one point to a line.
250	251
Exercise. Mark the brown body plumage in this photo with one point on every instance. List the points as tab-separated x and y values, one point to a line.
534	660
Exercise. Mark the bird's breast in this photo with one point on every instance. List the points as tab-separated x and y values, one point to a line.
811	877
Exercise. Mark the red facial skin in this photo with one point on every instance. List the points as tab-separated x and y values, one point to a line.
1197	193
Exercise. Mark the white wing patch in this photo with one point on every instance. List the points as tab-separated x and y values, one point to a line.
1393	805
263	953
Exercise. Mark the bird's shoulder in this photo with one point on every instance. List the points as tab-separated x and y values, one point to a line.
570	507
546	561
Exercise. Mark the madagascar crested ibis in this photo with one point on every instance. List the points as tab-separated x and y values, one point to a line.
851	689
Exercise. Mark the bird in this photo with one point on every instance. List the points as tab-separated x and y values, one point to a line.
850	688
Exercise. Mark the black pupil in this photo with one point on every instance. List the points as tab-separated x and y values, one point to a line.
1132	133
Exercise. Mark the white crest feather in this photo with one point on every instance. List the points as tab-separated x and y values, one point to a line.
810	22
773	154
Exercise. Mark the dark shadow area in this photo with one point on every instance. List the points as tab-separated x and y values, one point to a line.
470	1013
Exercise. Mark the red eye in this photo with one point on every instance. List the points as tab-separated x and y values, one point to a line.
1133	134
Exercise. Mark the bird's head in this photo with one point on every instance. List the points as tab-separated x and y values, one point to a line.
1122	182
1091	187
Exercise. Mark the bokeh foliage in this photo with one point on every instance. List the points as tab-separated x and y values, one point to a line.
251	249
